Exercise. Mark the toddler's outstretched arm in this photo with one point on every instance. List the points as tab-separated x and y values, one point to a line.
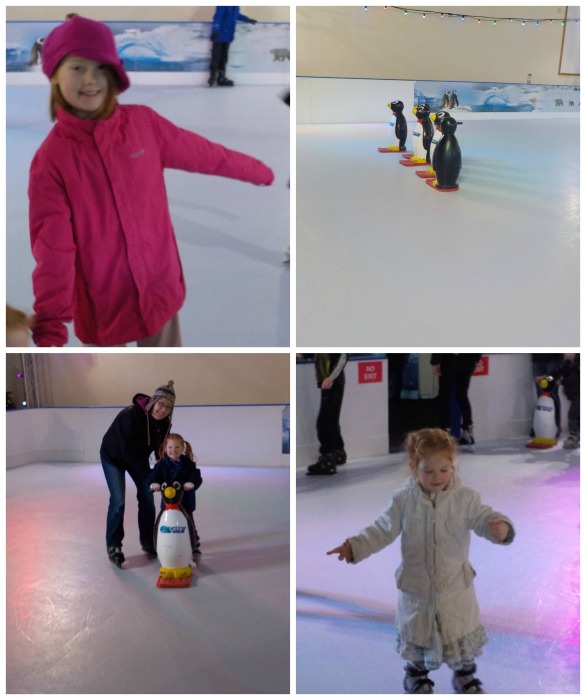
344	552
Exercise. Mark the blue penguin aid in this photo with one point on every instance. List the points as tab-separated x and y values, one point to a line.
437	120
173	541
397	129
447	159
422	136
544	426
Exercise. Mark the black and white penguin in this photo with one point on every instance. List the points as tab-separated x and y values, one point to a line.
437	119
397	129
447	159
453	100
422	136
36	51
445	99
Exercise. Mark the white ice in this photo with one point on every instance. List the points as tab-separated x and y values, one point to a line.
232	236
382	259
76	624
528	592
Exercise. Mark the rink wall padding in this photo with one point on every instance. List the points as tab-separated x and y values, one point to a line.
323	100
502	401
241	436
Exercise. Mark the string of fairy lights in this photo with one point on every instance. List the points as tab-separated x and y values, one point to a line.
480	19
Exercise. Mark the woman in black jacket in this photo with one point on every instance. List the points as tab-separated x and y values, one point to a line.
135	433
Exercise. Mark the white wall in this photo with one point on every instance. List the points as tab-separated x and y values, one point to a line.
358	101
347	42
344	101
502	406
363	421
247	436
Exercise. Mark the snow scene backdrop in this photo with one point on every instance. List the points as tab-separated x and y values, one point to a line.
165	46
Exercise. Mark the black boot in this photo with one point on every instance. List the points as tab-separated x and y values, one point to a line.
115	556
325	466
416	680
341	456
223	81
465	683
212	78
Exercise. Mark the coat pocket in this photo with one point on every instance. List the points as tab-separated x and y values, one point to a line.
409	581
469	574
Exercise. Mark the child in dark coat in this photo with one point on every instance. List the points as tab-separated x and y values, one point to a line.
177	464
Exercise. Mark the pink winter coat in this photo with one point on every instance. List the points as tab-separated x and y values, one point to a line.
101	232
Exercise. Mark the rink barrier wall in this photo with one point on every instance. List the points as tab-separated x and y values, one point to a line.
160	78
323	100
239	435
502	406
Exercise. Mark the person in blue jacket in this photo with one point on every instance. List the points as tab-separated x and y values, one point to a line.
223	29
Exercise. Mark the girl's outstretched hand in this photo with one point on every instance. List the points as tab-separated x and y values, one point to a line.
499	529
344	552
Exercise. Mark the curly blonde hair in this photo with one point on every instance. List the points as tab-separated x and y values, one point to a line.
420	444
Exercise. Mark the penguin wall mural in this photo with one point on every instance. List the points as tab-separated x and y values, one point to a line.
447	159
397	129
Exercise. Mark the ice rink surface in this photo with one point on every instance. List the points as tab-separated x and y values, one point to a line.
77	624
232	236
396	263
528	592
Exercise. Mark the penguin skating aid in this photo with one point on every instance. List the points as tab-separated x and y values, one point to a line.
422	136
397	129
447	159
437	119
173	540
544	425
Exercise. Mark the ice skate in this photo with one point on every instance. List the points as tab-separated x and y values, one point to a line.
467	439
416	680
325	466
465	683
223	81
115	556
572	442
196	554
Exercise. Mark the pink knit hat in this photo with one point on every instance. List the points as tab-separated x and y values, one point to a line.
85	38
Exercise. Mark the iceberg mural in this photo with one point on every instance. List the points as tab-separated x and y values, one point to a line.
166	46
497	97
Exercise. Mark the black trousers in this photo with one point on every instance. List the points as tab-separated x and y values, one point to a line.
574	416
455	378
219	57
328	420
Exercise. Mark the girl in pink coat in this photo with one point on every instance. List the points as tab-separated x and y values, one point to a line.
101	233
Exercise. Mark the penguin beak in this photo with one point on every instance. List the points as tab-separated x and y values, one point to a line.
389	105
414	110
433	117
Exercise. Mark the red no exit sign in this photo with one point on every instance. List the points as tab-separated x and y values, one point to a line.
369	372
482	367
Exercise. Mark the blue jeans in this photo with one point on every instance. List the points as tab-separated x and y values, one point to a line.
116	480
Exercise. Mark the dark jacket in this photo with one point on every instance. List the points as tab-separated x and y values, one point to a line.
569	373
133	435
330	365
167	471
224	24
